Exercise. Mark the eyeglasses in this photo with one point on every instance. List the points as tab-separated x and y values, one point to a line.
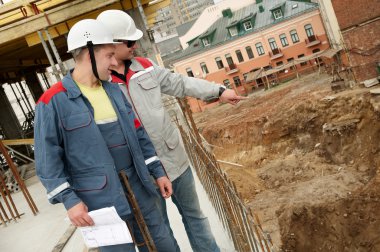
128	43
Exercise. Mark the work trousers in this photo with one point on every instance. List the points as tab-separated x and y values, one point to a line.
161	235
196	224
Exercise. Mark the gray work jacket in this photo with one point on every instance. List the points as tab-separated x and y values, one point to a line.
145	82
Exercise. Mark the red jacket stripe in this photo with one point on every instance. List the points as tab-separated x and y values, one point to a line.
137	123
144	62
116	79
49	94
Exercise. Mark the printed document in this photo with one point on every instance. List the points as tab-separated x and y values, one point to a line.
109	229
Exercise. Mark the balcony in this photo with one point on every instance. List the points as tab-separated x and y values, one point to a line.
312	41
231	69
275	53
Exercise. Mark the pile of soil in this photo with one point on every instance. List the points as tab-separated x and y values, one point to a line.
310	162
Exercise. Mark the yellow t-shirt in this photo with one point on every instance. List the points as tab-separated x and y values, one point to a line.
103	109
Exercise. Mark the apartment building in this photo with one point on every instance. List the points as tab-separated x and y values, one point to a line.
175	14
265	34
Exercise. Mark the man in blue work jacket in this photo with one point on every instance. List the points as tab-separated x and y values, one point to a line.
86	133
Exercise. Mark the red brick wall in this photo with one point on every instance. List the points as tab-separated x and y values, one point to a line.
352	12
363	45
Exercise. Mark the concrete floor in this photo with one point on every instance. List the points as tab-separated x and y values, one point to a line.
41	233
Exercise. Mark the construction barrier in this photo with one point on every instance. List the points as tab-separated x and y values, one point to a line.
242	225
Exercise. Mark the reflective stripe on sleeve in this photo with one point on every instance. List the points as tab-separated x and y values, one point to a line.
151	160
58	190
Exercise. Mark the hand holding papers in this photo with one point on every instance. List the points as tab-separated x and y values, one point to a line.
109	229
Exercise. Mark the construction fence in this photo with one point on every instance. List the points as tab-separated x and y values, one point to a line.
241	223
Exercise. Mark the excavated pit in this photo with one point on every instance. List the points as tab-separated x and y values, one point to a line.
311	162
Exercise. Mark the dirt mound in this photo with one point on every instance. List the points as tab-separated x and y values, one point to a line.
308	155
348	224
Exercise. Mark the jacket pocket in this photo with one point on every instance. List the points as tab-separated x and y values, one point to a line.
93	191
172	140
151	90
90	183
78	129
76	121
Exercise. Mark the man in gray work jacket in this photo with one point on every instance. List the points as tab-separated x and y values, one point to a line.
143	82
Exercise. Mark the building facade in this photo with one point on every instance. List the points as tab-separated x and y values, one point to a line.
175	14
209	16
264	35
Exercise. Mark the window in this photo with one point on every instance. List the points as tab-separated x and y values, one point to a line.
294	36
247	25
230	62
219	62
280	63
259	48
206	41
309	30
233	31
204	68
272	43
227	83
237	81
189	72
284	40
277	14
303	63
239	56
249	52
245	75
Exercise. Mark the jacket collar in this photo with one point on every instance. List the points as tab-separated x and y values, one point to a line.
136	66
73	90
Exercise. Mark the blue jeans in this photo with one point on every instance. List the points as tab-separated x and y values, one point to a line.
196	224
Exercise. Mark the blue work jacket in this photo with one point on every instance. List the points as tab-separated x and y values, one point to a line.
72	159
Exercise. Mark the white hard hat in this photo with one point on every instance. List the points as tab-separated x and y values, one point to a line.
120	24
88	30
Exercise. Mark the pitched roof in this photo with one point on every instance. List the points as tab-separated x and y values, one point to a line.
184	28
261	21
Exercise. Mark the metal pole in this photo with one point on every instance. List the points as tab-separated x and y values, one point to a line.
5	193
23	97
142	13
138	214
45	79
18	179
26	97
18	101
56	54
51	61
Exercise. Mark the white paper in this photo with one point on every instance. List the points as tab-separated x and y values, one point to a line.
109	229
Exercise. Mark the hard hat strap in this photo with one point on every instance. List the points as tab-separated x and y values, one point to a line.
90	47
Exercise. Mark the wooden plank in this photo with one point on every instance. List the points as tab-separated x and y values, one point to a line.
151	9
64	239
53	17
27	141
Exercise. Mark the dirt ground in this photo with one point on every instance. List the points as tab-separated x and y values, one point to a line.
311	162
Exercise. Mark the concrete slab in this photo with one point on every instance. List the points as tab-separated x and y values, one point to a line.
42	232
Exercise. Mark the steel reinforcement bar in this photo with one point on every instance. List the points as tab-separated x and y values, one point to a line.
242	225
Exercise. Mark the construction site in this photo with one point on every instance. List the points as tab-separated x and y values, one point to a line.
293	167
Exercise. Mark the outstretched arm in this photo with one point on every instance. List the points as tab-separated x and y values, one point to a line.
229	96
